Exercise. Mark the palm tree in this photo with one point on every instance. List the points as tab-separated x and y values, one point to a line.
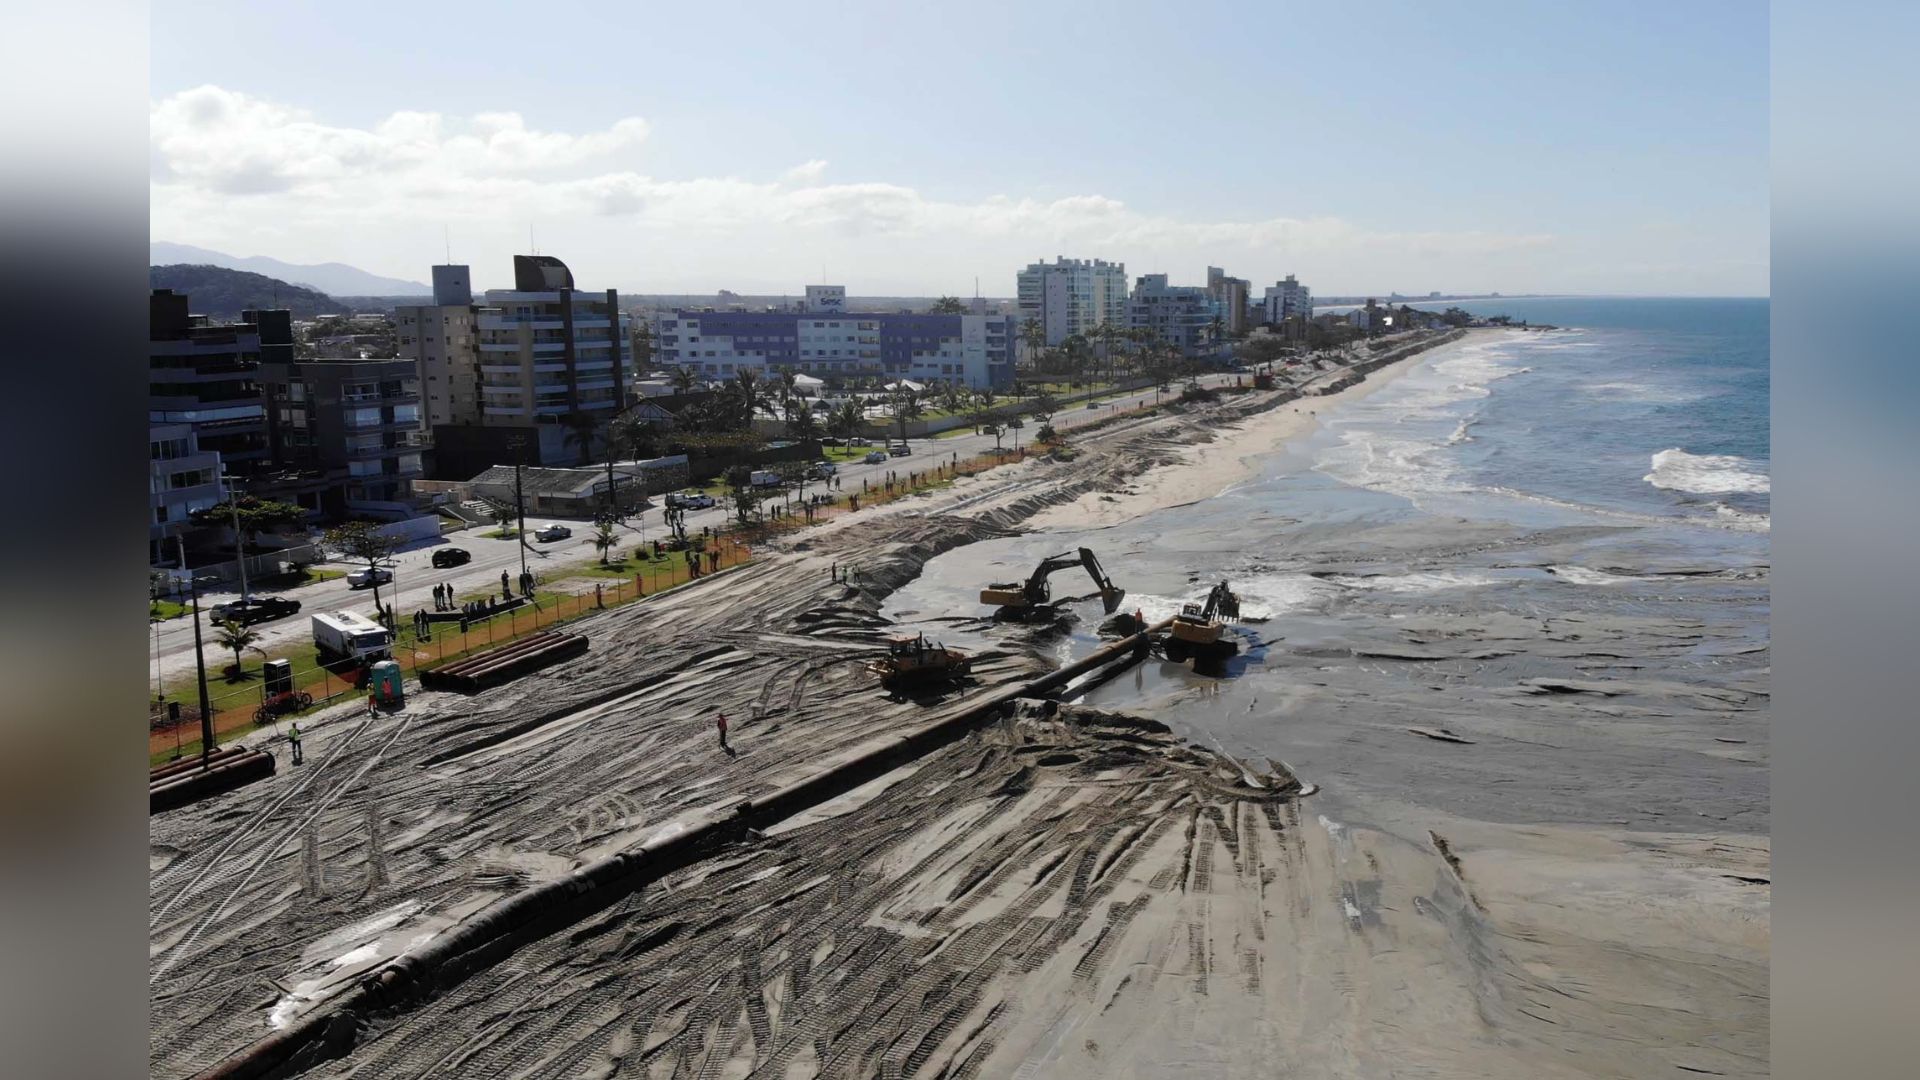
749	393
580	431
683	379
604	539
800	423
238	637
1035	338
844	422
906	406
948	305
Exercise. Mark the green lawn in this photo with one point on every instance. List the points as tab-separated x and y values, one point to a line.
162	610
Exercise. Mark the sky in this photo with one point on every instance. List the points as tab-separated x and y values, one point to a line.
910	149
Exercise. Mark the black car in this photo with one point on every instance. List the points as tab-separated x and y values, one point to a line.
254	609
452	556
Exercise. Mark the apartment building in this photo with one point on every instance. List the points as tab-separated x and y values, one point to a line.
444	338
1072	296
1184	316
181	478
348	436
205	375
1230	295
966	350
1286	299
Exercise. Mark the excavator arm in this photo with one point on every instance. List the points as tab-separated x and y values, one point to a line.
1035	591
1110	594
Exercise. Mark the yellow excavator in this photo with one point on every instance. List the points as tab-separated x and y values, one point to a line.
1199	628
1016	599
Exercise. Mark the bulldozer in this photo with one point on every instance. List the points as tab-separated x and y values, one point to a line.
915	661
1016	599
1200	628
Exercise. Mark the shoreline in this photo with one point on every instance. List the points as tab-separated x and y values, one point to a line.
1207	469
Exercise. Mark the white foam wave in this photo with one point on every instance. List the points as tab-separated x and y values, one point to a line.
1629	391
1742	520
1261	597
1425	582
1580	575
1706	474
1461	433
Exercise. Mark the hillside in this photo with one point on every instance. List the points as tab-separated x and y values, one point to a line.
334	279
224	294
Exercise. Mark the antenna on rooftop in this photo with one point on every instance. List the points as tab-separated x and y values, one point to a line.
448	229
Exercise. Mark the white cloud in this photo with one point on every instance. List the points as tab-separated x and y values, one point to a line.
232	169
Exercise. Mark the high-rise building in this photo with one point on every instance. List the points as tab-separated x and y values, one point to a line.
206	375
1287	299
1073	296
1230	293
348	436
553	367
444	337
825	300
1184	316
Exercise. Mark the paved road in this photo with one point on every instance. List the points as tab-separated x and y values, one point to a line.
414	576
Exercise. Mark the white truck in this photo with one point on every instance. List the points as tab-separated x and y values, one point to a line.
764	478
344	635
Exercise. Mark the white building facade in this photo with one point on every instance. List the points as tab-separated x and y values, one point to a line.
1184	316
444	338
1073	296
1288	298
965	350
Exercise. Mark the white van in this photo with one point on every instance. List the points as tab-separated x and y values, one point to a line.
344	635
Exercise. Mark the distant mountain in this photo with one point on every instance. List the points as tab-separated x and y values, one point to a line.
224	294
335	279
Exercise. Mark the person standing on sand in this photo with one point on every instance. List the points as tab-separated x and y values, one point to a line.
720	723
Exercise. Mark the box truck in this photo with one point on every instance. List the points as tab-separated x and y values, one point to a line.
344	635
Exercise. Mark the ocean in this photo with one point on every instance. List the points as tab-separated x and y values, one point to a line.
1583	507
1639	409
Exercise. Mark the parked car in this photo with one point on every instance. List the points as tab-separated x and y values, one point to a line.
689	500
254	609
860	440
553	531
365	576
1093	404
453	556
899	449
876	457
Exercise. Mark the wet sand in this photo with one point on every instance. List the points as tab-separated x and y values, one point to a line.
1071	892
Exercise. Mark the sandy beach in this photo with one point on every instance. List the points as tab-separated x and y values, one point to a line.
1205	469
1081	890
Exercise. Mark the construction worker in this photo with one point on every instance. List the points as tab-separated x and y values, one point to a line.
293	740
720	723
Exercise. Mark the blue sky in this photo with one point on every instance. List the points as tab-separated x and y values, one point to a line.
908	148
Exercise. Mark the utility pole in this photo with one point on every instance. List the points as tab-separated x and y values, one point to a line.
199	659
239	538
520	498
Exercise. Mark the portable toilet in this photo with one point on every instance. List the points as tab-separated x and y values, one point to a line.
278	675
383	682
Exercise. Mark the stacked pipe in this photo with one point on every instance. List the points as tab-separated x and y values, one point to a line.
193	764
180	783
491	667
496	931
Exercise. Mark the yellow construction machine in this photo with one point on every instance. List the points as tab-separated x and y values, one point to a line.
1200	628
915	661
1016	599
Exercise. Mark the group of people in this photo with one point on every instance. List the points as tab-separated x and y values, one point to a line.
443	598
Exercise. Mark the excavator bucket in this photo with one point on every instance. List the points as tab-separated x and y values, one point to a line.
1111	595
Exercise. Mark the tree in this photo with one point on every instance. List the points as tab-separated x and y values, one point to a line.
503	514
254	515
683	379
740	491
1035	339
642	346
362	541
948	305
604	539
1044	405
239	637
906	406
800	422
749	393
1263	349
845	421
580	433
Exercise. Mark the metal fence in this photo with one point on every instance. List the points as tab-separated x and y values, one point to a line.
238	709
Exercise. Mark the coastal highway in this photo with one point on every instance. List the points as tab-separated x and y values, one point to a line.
170	650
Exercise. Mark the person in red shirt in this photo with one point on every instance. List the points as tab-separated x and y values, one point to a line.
720	722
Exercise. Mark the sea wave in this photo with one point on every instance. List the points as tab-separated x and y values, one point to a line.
1707	474
1580	575
1743	520
1643	392
1434	581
